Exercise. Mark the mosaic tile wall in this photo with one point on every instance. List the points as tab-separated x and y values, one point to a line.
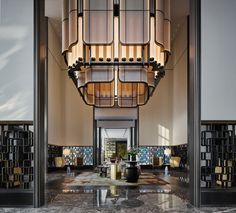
85	152
53	151
146	153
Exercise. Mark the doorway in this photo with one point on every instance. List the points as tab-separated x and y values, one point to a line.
114	148
96	146
113	139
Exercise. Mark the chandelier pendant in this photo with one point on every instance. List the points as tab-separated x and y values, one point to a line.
116	50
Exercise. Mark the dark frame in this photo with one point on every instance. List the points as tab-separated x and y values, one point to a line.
40	104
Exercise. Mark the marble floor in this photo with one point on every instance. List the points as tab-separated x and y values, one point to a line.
122	199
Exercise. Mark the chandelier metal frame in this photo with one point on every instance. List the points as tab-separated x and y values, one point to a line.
116	74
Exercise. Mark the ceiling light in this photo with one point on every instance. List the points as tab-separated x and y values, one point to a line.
116	50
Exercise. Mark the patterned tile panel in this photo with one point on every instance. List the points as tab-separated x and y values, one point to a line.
147	152
88	155
86	152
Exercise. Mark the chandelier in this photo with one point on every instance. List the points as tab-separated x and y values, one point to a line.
116	50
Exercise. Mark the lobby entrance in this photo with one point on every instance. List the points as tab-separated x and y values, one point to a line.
65	131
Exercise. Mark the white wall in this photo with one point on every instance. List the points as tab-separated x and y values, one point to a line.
155	118
218	60
56	90
163	121
180	67
16	60
70	121
78	117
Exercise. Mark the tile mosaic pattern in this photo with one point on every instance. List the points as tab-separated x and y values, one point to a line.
86	152
88	155
53	151
146	153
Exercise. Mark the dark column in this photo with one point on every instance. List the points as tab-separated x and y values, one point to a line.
136	137
95	140
136	134
131	136
99	144
194	99
40	103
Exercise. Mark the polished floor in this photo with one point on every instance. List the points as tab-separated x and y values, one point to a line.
144	199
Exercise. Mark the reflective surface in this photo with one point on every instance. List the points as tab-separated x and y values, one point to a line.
149	198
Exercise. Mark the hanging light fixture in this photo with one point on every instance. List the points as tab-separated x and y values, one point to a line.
116	50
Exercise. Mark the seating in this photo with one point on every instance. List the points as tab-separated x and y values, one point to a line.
175	162
79	161
157	161
102	169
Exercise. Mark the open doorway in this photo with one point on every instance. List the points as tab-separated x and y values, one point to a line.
157	130
114	144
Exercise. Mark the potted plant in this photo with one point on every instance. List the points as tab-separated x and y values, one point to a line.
132	152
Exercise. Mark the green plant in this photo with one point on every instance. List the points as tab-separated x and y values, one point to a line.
133	151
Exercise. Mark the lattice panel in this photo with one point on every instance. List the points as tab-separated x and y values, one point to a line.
16	156
218	154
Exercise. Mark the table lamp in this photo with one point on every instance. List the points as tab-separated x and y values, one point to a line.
67	152
167	153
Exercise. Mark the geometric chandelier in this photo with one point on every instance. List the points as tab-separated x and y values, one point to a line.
116	50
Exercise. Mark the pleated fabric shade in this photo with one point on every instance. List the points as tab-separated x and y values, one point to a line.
116	51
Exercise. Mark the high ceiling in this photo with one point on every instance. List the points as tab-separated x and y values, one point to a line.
179	11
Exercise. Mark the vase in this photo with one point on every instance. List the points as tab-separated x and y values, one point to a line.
132	157
132	174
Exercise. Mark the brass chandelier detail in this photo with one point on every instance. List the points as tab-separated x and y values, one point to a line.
116	50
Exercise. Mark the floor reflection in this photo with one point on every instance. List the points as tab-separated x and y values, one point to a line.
111	197
121	199
118	197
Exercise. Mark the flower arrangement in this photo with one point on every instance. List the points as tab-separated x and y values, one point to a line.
133	152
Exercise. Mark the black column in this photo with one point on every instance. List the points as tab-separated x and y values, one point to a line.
95	140
194	102
99	145
40	103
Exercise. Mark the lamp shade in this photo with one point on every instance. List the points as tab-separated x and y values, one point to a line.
167	151
66	152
